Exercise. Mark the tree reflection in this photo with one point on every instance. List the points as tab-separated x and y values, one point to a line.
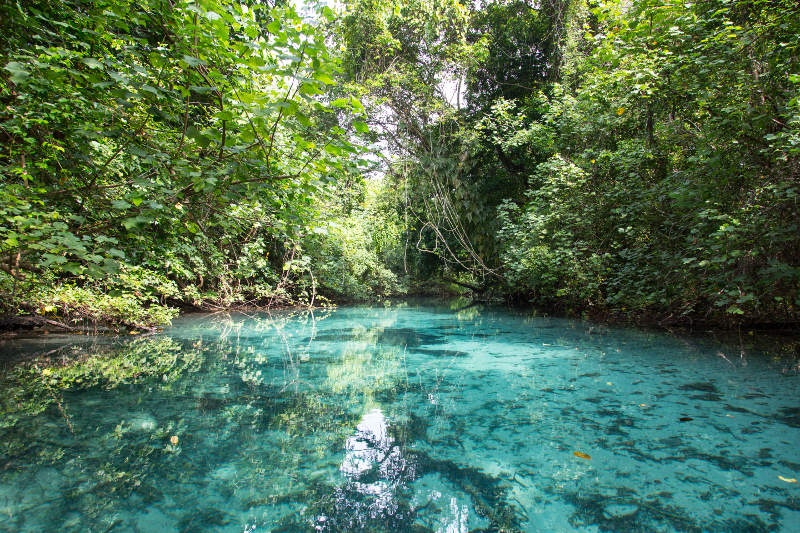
290	420
374	495
41	379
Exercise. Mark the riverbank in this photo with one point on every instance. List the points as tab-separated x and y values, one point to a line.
110	320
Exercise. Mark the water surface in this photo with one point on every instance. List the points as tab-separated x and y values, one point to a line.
398	419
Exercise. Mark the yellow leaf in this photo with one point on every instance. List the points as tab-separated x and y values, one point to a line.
582	455
788	479
620	110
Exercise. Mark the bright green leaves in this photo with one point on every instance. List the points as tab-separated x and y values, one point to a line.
92	63
171	135
360	126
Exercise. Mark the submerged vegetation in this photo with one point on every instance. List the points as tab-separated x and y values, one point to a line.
613	158
397	418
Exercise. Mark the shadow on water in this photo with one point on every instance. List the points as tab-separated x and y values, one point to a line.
403	337
628	513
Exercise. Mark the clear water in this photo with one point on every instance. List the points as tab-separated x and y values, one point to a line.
398	419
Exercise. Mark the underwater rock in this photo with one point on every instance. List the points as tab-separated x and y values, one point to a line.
442	353
707	397
789	416
142	422
226	472
204	520
210	403
700	386
619	510
409	337
154	519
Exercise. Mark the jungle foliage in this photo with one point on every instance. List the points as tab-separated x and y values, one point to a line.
166	152
671	189
637	159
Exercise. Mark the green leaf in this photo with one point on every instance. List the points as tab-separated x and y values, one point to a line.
150	89
18	72
92	63
333	149
52	259
193	61
72	268
309	89
120	204
324	78
133	222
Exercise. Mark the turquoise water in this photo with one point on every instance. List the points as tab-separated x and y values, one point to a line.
398	419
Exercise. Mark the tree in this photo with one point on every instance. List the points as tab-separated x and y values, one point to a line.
672	189
188	138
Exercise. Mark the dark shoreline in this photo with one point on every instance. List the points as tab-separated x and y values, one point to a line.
36	325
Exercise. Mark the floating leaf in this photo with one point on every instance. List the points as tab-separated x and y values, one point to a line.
686	419
582	455
788	479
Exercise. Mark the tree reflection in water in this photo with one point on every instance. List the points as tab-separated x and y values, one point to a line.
379	494
377	474
290	422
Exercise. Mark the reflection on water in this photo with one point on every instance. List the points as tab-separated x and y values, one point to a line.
369	447
402	419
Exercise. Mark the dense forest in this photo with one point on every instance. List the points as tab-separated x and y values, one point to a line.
635	160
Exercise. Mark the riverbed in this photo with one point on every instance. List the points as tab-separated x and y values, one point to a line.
399	418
